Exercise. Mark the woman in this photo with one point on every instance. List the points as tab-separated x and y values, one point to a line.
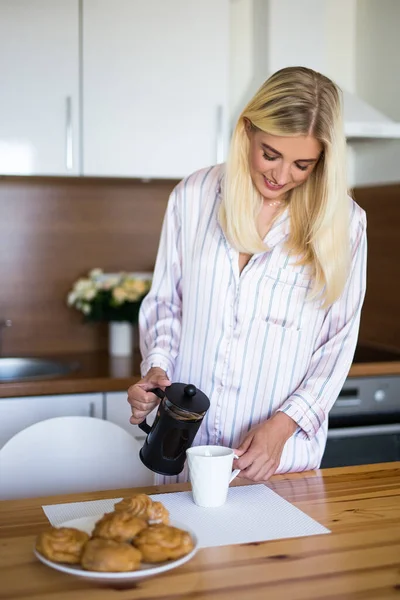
259	282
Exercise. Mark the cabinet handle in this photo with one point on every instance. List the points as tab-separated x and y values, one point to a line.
91	409
68	137
367	430
347	402
220	135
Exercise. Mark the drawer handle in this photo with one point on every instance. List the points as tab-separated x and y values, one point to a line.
348	402
69	160
220	135
349	432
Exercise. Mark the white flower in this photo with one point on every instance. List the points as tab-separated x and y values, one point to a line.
89	293
110	282
86	308
81	286
119	295
95	273
71	298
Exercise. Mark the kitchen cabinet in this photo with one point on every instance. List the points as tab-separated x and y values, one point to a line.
155	86
18	413
141	87
39	65
117	410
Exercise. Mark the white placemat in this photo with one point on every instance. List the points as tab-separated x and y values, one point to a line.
252	513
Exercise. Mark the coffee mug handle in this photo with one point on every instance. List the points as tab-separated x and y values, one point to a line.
236	472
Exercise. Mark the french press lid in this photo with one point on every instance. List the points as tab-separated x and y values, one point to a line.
187	397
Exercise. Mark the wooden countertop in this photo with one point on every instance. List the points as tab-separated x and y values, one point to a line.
359	559
94	372
374	369
99	372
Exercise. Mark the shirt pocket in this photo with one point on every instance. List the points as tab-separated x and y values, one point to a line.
284	298
292	275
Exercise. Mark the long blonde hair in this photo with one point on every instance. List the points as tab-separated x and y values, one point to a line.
296	101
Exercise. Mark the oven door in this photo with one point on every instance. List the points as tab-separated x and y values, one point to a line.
362	445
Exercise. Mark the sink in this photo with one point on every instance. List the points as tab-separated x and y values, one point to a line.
21	369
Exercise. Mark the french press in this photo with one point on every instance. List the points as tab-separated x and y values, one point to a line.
178	419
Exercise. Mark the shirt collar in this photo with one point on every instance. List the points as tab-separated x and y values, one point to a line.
279	231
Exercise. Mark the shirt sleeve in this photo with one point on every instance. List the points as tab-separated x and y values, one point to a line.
310	404
161	310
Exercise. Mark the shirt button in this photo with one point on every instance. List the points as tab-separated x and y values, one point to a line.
219	389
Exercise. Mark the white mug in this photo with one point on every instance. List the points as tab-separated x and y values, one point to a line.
210	473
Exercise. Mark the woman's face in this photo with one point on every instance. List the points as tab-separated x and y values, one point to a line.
279	164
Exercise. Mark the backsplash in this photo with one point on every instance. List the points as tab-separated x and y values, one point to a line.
55	229
380	321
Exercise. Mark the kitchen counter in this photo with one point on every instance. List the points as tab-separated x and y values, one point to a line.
94	372
360	558
99	372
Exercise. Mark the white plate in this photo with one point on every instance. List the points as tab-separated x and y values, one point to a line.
146	570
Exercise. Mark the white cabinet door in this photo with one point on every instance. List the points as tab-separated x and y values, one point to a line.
18	413
155	86
117	410
39	89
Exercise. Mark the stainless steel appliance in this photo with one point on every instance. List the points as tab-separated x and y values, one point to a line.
364	423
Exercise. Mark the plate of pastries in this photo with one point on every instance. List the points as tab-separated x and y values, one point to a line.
135	541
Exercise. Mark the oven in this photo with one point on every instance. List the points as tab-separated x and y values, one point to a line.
364	423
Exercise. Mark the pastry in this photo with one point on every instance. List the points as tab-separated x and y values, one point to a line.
109	556
159	543
138	505
157	513
62	544
120	526
143	506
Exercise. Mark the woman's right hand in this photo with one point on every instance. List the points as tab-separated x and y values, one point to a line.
143	401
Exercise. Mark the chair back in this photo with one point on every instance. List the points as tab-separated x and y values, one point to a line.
69	455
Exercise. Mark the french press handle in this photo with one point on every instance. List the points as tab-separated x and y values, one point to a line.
144	426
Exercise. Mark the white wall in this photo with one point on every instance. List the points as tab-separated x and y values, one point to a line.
241	53
378	54
355	42
378	81
249	52
266	36
315	33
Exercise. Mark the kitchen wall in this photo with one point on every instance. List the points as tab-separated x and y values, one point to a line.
380	322
355	42
378	55
54	230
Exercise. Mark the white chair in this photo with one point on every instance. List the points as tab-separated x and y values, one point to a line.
68	455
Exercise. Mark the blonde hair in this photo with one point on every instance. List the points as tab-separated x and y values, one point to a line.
296	101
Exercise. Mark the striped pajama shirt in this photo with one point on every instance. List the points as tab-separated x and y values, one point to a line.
253	343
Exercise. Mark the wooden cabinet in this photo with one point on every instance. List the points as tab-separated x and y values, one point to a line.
18	413
39	98
155	86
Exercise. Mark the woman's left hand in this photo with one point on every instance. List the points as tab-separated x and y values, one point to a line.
261	450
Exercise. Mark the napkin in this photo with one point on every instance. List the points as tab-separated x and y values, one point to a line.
251	513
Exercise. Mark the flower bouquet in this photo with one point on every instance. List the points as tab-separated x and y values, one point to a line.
114	298
110	297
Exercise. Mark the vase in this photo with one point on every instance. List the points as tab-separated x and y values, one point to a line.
120	338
